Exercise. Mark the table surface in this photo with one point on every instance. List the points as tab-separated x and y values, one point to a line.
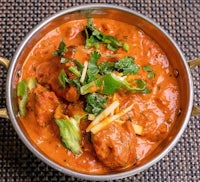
180	18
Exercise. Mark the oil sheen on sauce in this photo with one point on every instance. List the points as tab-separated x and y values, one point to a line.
156	112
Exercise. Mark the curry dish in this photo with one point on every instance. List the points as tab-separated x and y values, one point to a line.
97	95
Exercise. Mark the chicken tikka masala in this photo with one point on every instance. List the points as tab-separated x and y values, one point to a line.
97	95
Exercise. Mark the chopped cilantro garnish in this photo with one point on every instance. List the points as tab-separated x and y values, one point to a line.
91	41
74	71
78	64
106	67
64	60
76	82
95	103
63	79
92	66
141	85
127	65
94	37
62	48
110	83
150	71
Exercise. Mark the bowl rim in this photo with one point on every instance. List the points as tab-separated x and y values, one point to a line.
70	171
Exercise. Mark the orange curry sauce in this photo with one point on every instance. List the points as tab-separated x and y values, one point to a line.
155	112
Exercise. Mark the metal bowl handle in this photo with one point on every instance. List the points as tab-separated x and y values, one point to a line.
5	62
192	64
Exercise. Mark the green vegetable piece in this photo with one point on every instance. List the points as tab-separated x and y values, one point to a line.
141	85
79	65
145	91
147	68
127	66
63	79
126	47
91	41
150	71
76	82
92	66
62	48
64	60
70	133
106	67
90	22
112	43
95	103
74	71
22	106
94	36
31	83
91	87
110	83
151	75
22	91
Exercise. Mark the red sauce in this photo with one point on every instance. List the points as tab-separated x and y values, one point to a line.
155	112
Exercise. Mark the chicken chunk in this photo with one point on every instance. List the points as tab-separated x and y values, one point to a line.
69	93
115	145
45	77
44	72
45	105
